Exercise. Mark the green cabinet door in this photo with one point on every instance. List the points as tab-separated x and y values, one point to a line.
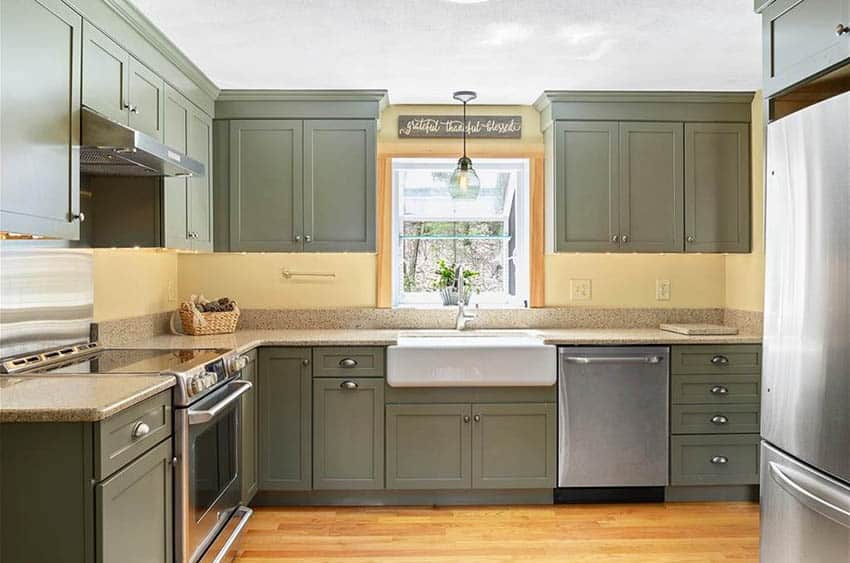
651	187
513	446
339	185
133	511
266	196
429	446
348	433
248	457
284	418
717	187
146	95
40	58
199	188
175	198
586	186
106	75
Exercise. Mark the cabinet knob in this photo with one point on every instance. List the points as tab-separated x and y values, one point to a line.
141	429
305	362
297	238
466	418
174	461
720	460
625	238
348	363
615	238
842	29
308	238
691	238
348	384
477	418
81	217
719	390
719	419
719	360
134	109
125	106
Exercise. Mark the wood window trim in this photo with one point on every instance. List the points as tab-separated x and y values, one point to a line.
536	297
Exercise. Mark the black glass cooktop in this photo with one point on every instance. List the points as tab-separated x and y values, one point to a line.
117	360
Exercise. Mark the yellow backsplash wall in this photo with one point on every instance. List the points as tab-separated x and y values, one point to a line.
137	282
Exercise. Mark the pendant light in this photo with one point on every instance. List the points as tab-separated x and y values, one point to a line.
464	183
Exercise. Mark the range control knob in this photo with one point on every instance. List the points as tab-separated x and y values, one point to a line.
237	363
196	385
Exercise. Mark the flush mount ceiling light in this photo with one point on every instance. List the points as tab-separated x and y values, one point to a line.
464	183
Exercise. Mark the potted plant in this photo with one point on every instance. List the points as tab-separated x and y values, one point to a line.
448	286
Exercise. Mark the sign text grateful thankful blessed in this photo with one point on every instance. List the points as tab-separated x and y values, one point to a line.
449	126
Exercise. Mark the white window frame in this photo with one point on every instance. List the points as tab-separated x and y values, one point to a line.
522	236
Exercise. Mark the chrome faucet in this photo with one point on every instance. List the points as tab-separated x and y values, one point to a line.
462	315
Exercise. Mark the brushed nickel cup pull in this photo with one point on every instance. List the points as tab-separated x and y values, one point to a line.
719	390
348	384
348	363
719	419
719	360
466	418
720	460
141	429
841	29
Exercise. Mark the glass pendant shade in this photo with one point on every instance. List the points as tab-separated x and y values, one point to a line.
464	183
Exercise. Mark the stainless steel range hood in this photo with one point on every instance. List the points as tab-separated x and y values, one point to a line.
112	149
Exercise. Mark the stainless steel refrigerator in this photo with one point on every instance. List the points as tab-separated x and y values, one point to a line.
805	418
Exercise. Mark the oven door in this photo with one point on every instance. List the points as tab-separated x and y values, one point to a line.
207	488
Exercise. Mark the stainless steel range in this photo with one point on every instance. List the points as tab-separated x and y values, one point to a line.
208	516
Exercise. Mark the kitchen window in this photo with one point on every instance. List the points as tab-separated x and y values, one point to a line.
488	235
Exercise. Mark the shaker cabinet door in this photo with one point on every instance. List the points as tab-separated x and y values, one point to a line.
339	185
717	187
146	95
175	202
586	186
106	75
651	189
199	188
40	47
266	195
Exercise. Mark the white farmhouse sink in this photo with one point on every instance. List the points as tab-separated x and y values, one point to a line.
471	359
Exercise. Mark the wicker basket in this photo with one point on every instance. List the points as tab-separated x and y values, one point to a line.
214	323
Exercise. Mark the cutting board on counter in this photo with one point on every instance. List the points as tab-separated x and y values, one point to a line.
699	329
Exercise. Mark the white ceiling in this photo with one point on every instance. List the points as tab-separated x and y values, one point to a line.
507	50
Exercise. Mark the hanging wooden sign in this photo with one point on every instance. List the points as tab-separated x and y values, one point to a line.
451	126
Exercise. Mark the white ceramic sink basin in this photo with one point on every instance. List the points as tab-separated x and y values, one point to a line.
471	359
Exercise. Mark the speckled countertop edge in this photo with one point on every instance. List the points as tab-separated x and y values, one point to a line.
75	398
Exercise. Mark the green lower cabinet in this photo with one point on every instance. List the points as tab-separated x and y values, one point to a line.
348	433
248	459
513	446
428	446
284	419
714	460
133	508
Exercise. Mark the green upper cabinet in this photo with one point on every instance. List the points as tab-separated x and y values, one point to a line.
339	185
175	212
586	186
40	58
803	38
199	196
266	195
106	75
717	187
119	86
284	419
651	177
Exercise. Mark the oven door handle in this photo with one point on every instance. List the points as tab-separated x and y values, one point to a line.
202	416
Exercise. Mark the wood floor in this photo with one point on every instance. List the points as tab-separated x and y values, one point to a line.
703	532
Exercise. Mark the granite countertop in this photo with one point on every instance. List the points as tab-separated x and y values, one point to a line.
74	398
245	340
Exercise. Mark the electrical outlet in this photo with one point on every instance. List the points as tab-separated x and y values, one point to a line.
172	291
581	290
662	290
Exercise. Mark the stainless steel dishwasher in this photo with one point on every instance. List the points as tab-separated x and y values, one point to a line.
612	416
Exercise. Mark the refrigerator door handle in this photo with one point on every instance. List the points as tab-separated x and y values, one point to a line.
826	507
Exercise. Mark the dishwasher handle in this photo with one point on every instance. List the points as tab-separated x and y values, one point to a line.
613	359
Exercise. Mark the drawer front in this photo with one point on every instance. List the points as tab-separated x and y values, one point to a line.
348	361
739	358
714	460
711	419
125	436
718	389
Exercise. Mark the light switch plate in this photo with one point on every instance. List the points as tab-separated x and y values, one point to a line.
662	290
581	290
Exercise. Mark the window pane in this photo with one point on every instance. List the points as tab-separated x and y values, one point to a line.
421	256
454	229
424	193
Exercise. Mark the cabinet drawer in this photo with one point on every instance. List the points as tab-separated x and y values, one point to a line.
739	358
714	460
125	436
348	362
716	389
711	419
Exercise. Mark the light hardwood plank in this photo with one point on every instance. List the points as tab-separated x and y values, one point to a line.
681	532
